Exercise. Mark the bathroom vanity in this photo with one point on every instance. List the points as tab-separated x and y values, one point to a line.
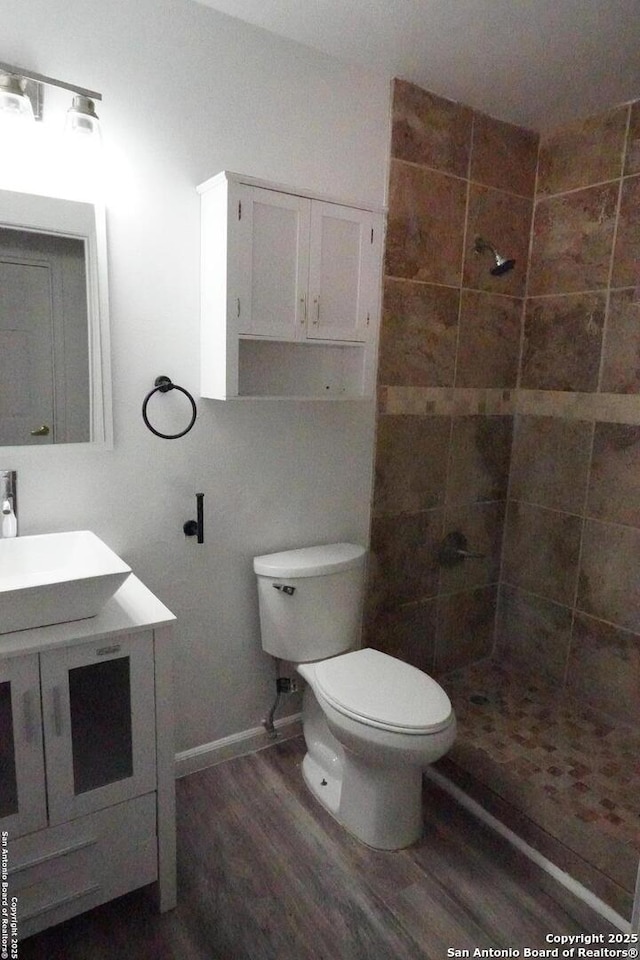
87	804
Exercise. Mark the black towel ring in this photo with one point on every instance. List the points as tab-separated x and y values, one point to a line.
164	384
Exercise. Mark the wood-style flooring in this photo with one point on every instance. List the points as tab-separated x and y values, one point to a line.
265	873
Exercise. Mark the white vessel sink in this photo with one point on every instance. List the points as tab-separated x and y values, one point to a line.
56	577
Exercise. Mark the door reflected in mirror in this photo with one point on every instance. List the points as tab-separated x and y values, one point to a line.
44	350
54	345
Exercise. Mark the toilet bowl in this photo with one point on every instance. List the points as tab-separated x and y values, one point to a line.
368	744
371	722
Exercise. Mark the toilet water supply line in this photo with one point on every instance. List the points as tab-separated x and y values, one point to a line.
283	685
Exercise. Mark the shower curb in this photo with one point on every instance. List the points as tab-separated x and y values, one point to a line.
565	879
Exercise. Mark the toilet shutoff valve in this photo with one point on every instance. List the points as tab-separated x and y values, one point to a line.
286	685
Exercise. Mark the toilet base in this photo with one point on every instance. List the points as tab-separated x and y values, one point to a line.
322	785
381	810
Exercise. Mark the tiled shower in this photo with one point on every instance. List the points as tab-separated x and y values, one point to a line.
509	410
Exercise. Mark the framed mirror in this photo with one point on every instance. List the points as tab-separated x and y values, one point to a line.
55	383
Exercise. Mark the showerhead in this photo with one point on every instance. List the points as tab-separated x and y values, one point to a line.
501	264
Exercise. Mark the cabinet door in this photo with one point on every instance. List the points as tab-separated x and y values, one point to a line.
99	723
343	274
273	232
22	790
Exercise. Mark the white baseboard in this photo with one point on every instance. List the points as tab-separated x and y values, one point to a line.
564	878
247	741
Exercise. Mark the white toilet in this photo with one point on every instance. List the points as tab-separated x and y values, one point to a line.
371	722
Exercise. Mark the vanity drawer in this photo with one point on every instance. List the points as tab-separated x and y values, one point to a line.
64	870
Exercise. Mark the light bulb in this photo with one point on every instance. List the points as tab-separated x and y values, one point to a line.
82	118
14	102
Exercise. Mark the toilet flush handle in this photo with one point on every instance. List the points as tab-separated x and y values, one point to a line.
284	588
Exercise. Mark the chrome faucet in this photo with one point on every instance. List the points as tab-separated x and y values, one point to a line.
8	504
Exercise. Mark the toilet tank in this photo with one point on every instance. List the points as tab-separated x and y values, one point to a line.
310	600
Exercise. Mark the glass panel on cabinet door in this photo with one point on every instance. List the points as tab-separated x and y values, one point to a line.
101	731
8	778
23	806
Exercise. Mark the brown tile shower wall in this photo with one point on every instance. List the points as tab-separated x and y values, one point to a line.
510	409
448	366
570	600
555	355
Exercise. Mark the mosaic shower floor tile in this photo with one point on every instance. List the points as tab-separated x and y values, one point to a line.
572	771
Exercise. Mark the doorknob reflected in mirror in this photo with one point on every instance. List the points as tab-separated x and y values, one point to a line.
42	431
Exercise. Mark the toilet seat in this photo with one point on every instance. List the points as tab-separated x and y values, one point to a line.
380	691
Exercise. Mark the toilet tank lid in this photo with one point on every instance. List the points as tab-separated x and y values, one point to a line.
310	561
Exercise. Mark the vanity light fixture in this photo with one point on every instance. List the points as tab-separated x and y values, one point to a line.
15	100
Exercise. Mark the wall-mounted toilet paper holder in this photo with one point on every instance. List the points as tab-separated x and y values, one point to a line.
192	528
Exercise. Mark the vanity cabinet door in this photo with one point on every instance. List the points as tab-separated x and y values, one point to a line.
272	263
343	281
23	806
99	723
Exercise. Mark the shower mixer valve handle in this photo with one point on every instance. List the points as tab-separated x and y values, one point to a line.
454	549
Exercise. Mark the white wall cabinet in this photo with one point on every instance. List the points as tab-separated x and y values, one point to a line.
290	292
86	792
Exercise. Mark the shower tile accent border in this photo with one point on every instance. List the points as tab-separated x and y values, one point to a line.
608	407
461	402
445	401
